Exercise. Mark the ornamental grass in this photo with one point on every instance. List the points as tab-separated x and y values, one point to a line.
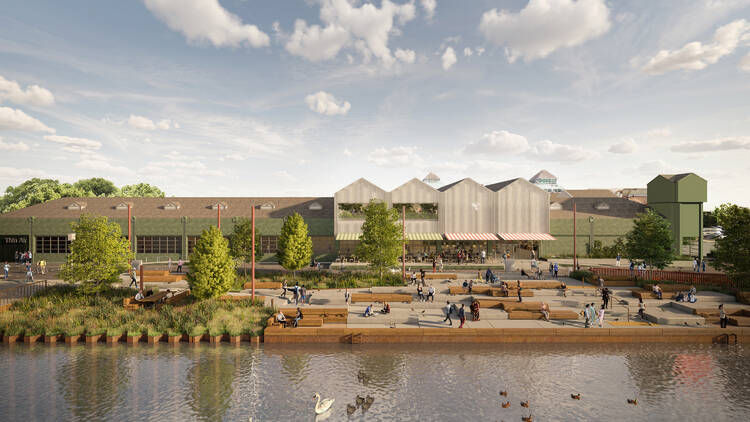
65	310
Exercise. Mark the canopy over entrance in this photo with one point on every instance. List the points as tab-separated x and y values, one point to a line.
471	236
348	236
526	236
424	236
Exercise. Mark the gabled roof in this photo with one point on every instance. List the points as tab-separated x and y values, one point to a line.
591	193
431	177
465	179
361	180
417	181
544	174
674	178
500	185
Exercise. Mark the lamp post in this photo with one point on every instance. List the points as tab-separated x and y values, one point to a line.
575	254
252	270
591	234
403	243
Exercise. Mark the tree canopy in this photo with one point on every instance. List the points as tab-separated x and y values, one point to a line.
240	245
380	242
295	244
732	251
213	271
98	254
36	191
650	240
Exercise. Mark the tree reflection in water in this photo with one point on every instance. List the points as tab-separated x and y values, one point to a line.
210	381
93	379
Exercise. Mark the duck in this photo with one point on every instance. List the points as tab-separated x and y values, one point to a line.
322	406
369	399
505	405
504	393
525	403
576	396
350	408
527	418
633	401
360	400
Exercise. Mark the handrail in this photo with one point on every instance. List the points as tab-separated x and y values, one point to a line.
698	278
12	294
724	338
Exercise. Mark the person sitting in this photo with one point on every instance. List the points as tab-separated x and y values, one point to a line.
465	286
564	288
545	311
149	292
298	317
281	318
386	308
139	295
679	297
657	291
504	288
691	297
523	273
368	311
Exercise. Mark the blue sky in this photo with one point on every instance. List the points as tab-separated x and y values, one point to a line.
253	97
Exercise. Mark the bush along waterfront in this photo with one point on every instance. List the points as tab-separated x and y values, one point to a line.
66	311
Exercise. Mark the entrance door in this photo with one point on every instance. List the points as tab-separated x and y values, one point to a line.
10	244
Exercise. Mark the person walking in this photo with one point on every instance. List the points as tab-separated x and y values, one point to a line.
347	296
169	264
703	264
518	289
722	316
695	265
6	268
43	266
434	264
440	262
421	275
133	280
302	294
462	316
641	308
431	293
617	259
484	255
283	289
471	285
557	268
605	297
295	294
448	310
420	293
179	265
29	274
587	317
601	316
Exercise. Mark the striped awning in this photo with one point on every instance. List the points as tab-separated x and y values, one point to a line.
526	236
348	236
424	236
471	236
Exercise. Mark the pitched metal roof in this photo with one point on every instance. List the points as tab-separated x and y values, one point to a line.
500	185
431	177
591	193
544	174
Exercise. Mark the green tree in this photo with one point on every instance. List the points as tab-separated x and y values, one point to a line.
213	269
240	245
732	252
650	240
295	244
380	242
98	255
36	191
97	186
141	190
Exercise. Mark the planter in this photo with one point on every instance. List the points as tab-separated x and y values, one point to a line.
245	337
72	339
93	339
134	339
256	340
176	339
155	339
31	339
195	339
52	338
215	339
114	339
10	339
235	339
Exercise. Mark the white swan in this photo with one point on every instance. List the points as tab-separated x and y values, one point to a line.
322	406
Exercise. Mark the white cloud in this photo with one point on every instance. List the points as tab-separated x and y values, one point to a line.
206	20
695	55
284	176
233	157
77	145
745	63
498	142
18	175
468	52
33	95
550	151
656	167
395	157
12	119
101	164
347	152
449	58
659	133
144	123
18	146
406	56
325	103
429	7
315	43
719	144
367	28
544	26
628	146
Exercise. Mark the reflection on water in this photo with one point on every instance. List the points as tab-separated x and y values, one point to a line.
434	383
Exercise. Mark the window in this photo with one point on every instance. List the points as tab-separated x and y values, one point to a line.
123	206
315	206
555	206
220	204
267	206
159	244
76	206
269	244
191	241
601	206
52	244
172	206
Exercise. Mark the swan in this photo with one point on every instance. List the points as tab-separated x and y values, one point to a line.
322	406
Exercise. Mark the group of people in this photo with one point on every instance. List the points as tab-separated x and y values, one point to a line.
40	267
691	296
451	308
430	293
23	257
180	263
281	318
369	312
299	293
590	314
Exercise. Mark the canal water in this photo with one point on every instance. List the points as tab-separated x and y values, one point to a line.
408	383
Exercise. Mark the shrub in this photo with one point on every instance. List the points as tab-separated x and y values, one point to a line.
214	270
582	275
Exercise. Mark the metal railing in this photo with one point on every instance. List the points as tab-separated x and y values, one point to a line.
12	294
688	277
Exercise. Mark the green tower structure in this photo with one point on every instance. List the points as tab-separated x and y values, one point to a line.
679	198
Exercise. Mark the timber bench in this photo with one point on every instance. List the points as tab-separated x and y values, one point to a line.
381	297
489	291
306	321
329	315
649	294
537	314
439	276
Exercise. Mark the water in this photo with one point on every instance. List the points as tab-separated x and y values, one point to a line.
409	383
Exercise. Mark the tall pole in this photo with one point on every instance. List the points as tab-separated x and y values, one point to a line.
253	258
130	242
218	217
575	255
403	243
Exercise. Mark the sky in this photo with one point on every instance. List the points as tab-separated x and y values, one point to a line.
303	97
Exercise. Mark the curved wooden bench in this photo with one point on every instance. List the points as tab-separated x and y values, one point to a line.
521	306
667	287
329	315
539	284
311	321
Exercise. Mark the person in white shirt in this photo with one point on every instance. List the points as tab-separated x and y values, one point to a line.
431	294
139	295
601	316
281	318
6	268
484	255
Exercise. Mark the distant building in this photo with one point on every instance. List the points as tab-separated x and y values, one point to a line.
547	181
679	198
639	195
432	179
